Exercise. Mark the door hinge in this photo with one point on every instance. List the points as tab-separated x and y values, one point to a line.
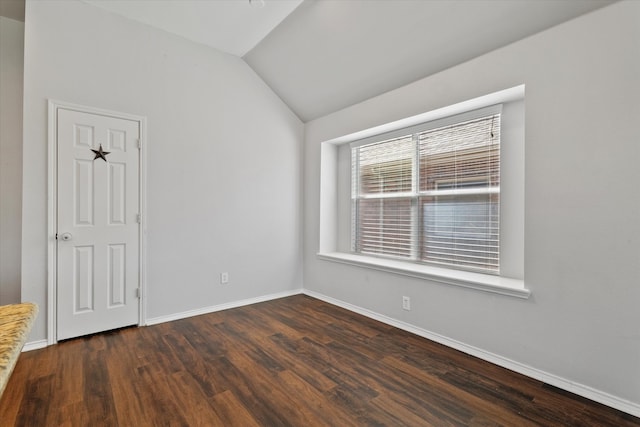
56	236
139	144
138	218
137	292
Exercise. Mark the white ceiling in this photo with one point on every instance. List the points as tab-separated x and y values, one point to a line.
331	54
321	56
232	26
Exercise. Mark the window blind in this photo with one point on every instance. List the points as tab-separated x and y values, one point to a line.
460	194
384	197
431	196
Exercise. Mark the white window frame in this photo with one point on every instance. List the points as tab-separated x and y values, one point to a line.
510	282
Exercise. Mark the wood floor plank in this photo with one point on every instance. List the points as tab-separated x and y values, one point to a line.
250	394
34	408
201	413
159	401
409	414
98	394
295	361
277	344
126	386
315	400
231	411
452	396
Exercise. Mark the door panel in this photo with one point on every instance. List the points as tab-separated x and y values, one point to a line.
117	274
83	279
98	237
83	186
117	193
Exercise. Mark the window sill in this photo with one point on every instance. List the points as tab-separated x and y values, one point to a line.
466	279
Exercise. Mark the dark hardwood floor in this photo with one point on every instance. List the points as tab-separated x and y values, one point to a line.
294	361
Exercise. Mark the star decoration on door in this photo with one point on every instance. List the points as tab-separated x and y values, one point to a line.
100	153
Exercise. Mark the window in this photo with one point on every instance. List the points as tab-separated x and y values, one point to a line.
431	193
407	197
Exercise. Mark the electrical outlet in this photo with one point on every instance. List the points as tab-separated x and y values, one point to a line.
224	278
406	303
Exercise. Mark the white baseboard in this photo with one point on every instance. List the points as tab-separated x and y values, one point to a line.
220	307
554	380
35	345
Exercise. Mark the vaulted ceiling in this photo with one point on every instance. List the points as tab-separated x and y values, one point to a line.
232	26
321	56
329	54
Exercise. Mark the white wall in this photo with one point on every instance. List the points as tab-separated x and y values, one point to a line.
223	153
582	233
11	69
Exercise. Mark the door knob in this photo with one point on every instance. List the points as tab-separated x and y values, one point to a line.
66	236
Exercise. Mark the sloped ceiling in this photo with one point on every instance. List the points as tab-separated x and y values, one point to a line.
321	56
330	54
232	26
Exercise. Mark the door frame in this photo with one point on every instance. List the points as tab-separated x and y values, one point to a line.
52	214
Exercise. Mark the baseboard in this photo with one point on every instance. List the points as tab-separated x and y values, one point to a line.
220	307
554	380
35	345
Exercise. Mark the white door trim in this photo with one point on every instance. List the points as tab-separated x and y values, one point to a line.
52	219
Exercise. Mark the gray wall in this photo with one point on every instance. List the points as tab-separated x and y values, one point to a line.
223	156
582	234
11	71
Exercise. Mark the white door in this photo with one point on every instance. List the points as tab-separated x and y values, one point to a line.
98	245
